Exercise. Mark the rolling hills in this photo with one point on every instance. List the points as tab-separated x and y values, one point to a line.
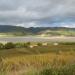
43	31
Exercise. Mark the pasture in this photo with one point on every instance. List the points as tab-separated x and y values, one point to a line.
37	59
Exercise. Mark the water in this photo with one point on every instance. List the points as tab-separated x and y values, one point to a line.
37	39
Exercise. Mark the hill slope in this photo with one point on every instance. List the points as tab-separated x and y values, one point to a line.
44	31
13	30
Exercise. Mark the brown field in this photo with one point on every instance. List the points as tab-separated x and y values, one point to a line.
34	61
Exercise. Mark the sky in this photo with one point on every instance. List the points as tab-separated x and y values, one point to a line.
38	13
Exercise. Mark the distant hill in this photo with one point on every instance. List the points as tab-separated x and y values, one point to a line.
43	31
14	30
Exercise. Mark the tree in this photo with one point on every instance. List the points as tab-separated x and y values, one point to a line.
39	44
27	44
1	46
19	45
9	45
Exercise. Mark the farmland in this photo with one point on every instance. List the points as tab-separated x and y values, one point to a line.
37	59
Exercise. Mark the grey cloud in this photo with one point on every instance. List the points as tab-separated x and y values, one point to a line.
23	12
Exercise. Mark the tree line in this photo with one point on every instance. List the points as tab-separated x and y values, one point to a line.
10	45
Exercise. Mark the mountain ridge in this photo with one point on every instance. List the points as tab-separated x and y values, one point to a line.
18	30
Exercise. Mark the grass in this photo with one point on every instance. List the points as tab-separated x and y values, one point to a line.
38	63
40	60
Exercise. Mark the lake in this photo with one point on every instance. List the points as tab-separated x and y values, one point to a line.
37	39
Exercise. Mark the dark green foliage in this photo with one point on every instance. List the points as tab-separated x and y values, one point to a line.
9	45
39	44
63	70
1	46
22	45
40	48
19	45
68	43
28	43
46	71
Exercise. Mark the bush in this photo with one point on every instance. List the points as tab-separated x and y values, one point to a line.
68	43
27	44
39	44
22	45
46	71
1	46
19	45
63	70
9	45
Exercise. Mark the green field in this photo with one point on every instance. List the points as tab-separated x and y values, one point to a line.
50	59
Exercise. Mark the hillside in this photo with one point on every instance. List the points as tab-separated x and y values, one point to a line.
43	31
13	30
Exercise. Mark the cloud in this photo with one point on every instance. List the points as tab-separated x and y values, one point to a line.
29	13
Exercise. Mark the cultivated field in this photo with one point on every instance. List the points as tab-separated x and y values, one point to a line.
37	59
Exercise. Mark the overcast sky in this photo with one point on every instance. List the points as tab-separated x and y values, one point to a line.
35	13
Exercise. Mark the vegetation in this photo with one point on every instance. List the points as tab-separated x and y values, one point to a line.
9	45
1	46
39	44
21	59
6	30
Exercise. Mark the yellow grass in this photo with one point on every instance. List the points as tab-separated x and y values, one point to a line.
40	60
26	64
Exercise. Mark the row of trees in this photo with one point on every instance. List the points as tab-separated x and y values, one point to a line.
10	45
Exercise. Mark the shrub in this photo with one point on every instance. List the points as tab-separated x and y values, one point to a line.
39	44
46	71
1	46
68	43
9	45
22	45
19	45
27	44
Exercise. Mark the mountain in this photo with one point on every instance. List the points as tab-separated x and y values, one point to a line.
14	30
43	31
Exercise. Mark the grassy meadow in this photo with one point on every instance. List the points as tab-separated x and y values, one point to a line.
37	59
